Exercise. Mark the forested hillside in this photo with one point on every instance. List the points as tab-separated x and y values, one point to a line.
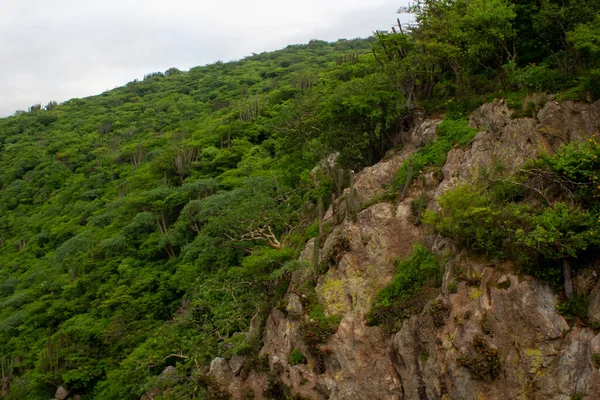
146	226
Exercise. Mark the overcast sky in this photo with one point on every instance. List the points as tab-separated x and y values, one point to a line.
60	49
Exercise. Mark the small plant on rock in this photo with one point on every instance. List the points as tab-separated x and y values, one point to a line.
484	363
297	358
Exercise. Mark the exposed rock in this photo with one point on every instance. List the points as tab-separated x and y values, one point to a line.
236	363
150	394
370	181
382	233
585	280
569	121
61	393
363	368
220	370
507	143
423	133
168	372
530	350
294	306
594	310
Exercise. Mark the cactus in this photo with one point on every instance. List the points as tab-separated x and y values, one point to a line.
250	108
333	209
340	181
303	81
351	57
138	155
351	200
6	367
52	359
319	236
407	182
321	215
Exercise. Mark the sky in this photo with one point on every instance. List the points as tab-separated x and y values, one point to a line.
61	49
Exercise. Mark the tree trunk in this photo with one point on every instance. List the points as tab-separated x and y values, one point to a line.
5	383
566	266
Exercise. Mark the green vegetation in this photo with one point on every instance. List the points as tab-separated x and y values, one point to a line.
405	294
486	325
144	227
545	217
318	327
483	362
576	309
155	225
449	133
297	358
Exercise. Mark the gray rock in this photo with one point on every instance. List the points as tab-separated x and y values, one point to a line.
423	133
236	363
61	393
220	371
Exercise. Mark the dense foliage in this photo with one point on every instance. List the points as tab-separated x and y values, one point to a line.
544	217
143	227
402	297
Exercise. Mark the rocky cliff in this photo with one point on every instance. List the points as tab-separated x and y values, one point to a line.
487	333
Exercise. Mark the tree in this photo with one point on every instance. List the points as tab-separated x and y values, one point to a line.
560	232
489	33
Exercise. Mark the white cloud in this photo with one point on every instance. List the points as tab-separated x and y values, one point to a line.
56	50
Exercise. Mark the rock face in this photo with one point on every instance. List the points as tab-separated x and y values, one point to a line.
507	143
61	393
494	335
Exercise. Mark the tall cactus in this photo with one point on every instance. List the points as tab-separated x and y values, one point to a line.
319	236
6	367
333	209
351	200
408	181
341	181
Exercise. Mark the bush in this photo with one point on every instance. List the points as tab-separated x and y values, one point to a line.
450	132
456	131
318	327
297	358
575	308
469	217
400	298
591	83
501	220
484	362
540	78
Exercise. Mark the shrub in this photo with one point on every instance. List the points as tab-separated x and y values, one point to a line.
541	78
399	299
297	358
483	362
486	325
456	131
450	132
591	83
318	327
418	207
439	311
502	221
575	308
469	217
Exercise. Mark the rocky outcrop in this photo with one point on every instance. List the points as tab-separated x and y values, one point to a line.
61	393
506	144
489	333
